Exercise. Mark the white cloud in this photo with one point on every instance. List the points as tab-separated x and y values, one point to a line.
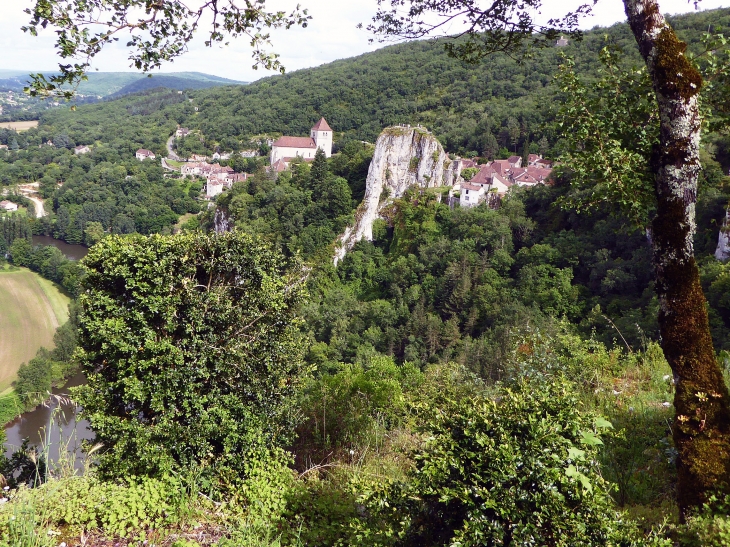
332	34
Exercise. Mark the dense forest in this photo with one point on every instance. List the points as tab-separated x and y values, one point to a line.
471	376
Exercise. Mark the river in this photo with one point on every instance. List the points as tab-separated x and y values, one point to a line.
51	425
74	252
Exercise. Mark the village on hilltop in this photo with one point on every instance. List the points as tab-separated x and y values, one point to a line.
475	182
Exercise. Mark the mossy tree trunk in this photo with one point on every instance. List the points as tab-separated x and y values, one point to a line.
702	423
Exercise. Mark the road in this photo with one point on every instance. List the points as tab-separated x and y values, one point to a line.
165	165
31	192
170	153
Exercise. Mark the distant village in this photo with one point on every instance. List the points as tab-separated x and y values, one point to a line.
475	182
497	177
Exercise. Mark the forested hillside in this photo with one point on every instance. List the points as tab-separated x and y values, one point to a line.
416	82
487	375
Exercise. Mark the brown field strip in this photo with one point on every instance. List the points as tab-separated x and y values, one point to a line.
19	126
30	311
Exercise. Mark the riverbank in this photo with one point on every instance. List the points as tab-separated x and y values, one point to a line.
51	425
33	308
10	407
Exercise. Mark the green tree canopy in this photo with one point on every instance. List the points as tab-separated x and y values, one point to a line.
191	351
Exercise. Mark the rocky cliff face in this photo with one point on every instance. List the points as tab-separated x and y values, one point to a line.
404	156
220	222
723	242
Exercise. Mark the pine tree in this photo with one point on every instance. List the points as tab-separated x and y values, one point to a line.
320	170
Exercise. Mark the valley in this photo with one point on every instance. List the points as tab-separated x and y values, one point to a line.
397	300
33	308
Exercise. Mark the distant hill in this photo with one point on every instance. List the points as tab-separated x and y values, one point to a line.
105	84
415	82
179	82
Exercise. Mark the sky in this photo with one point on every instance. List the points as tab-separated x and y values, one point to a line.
332	34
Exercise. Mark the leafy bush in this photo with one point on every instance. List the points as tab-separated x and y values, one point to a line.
469	172
191	352
517	469
354	406
84	503
710	527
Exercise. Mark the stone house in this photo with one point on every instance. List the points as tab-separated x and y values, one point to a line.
143	154
6	205
217	182
471	194
304	147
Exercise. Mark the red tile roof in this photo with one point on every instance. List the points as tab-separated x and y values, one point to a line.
500	166
321	125
279	166
484	176
295	142
540	173
467	186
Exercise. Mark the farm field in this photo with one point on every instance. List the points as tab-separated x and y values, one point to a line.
31	308
19	126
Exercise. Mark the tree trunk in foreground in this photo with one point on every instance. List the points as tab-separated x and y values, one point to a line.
702	423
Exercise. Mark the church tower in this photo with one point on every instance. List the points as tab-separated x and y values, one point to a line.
322	135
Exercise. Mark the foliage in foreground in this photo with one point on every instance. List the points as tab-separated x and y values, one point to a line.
416	458
191	352
517	468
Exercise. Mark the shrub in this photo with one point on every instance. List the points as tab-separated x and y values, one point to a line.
468	173
710	527
191	351
517	469
355	406
84	503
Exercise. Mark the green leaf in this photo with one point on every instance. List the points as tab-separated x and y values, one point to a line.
576	453
590	439
573	472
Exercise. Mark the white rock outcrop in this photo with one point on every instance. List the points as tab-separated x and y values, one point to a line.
723	241
404	157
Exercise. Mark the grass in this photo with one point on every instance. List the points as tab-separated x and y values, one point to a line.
10	407
32	309
181	222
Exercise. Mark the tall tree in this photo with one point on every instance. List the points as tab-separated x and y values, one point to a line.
318	173
702	426
491	146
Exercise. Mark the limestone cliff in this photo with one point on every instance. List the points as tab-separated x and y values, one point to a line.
221	223
404	156
723	241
